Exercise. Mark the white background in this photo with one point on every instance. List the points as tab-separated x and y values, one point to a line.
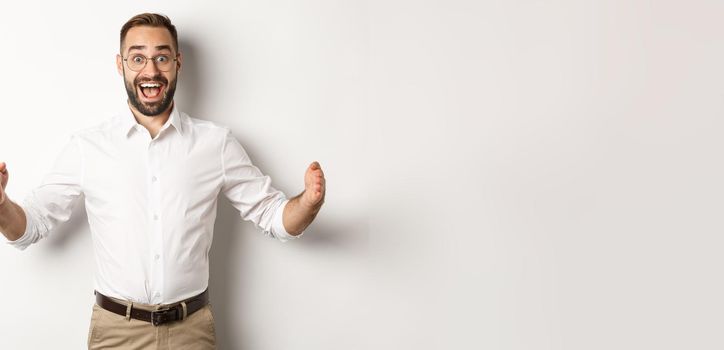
501	174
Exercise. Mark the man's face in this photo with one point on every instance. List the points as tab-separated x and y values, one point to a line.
150	90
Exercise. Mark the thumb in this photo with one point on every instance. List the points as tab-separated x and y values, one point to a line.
3	167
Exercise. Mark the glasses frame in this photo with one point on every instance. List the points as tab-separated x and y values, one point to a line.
146	59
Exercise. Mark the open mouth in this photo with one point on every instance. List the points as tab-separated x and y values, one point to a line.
151	90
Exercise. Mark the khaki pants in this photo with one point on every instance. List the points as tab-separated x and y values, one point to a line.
111	331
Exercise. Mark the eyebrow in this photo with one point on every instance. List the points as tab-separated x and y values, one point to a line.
141	47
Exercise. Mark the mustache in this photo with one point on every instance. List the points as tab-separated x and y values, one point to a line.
155	78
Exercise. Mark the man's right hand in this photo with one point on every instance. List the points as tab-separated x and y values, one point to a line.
12	216
4	177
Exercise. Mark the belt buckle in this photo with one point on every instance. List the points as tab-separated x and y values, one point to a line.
161	316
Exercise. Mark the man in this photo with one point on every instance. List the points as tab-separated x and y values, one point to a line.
151	177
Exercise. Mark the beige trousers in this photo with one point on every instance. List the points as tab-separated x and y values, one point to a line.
111	331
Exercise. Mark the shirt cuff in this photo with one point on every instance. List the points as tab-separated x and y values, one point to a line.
278	229
26	239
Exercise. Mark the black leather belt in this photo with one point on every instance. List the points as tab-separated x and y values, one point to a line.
170	313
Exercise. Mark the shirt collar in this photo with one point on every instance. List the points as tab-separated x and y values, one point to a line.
128	121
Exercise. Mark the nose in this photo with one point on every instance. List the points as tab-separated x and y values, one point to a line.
150	68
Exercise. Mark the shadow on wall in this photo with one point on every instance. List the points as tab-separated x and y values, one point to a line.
227	281
349	237
190	84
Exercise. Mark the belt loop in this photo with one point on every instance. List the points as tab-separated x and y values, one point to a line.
128	310
183	305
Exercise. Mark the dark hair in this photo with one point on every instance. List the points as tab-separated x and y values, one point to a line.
151	20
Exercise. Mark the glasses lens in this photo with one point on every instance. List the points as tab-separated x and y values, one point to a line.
163	62
136	62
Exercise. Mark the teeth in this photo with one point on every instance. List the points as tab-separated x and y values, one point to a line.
150	85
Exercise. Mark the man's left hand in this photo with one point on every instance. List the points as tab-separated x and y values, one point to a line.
314	187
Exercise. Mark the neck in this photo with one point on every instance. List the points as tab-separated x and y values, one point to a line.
152	123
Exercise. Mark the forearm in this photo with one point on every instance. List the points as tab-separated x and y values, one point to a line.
12	220
297	216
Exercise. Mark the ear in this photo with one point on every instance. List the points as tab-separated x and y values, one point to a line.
119	64
179	61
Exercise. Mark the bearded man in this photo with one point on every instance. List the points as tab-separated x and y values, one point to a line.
150	177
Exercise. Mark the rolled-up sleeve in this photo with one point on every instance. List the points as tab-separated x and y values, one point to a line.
279	230
52	202
251	192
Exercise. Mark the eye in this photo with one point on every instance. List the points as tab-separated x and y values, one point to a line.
137	59
162	58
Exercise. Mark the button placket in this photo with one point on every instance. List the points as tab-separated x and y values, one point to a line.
156	227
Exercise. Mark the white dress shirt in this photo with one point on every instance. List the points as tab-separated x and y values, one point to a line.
151	203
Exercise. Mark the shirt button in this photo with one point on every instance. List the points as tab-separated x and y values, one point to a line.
153	179
158	294
155	217
156	256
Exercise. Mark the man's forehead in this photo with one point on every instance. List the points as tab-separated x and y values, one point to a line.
148	38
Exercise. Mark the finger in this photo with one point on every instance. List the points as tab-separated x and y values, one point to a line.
315	165
3	167
314	195
315	177
314	186
319	180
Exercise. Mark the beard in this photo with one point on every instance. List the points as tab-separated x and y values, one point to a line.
154	108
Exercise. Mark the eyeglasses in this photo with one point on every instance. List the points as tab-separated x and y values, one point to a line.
137	62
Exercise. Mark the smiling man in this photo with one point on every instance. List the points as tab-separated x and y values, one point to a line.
150	91
150	177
